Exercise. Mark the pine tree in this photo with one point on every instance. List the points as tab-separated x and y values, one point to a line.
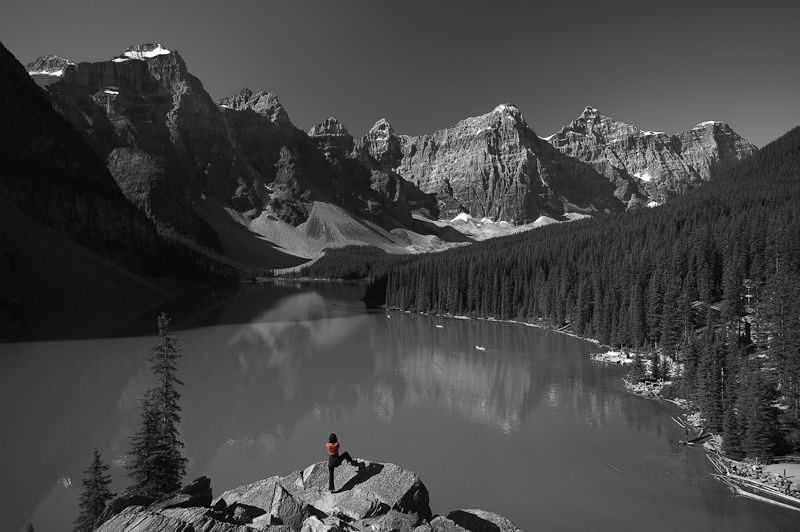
95	495
29	528
637	372
759	416
158	465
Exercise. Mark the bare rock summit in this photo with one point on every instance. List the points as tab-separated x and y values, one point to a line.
495	166
650	166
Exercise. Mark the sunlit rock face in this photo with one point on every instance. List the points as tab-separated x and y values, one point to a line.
48	69
650	166
495	166
369	496
332	139
263	103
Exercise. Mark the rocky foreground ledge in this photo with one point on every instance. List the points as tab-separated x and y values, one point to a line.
370	497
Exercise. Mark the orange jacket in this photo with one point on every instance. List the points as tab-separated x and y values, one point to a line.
333	448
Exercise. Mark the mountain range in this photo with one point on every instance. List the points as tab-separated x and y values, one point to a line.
237	177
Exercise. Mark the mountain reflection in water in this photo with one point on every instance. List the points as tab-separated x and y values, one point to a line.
524	428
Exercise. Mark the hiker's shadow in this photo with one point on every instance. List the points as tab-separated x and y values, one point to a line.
365	472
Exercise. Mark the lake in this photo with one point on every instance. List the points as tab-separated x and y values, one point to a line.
530	428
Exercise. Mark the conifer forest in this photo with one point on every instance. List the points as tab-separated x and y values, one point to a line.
707	287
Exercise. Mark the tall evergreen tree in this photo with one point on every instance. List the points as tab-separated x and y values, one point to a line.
158	465
95	495
759	415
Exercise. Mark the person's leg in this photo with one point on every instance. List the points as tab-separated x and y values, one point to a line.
346	456
330	478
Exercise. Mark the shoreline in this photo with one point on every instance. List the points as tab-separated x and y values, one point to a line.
766	481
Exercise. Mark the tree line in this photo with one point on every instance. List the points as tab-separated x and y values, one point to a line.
707	286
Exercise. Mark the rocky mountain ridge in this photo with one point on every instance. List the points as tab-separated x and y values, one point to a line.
185	160
200	166
161	135
371	497
495	166
650	166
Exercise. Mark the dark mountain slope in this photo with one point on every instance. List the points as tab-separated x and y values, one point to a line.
69	234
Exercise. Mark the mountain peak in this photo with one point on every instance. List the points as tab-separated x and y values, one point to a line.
382	127
236	100
263	103
590	111
142	52
506	108
509	111
50	65
329	126
708	123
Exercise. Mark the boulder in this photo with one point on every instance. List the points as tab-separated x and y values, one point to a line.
258	494
138	519
443	524
482	521
371	497
290	511
365	490
329	524
392	520
116	506
196	493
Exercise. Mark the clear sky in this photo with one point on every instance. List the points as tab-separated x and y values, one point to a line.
662	65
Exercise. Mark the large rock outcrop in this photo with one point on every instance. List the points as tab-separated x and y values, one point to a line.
370	497
648	166
494	166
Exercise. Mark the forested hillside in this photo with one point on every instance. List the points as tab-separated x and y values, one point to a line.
710	282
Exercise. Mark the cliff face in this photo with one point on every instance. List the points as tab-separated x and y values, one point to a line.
370	496
52	175
647	166
494	166
162	136
68	235
180	157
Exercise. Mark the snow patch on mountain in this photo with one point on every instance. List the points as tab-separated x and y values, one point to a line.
48	65
506	108
142	52
463	217
49	73
707	123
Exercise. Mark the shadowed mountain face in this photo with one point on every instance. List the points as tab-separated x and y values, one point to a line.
162	136
302	168
648	166
56	194
183	159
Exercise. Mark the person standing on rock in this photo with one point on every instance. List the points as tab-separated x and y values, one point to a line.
334	459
